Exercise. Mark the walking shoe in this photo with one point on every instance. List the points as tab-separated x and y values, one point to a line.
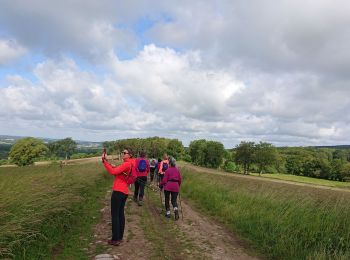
176	213
140	202
114	242
167	214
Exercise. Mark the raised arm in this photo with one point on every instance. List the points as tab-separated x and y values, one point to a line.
123	168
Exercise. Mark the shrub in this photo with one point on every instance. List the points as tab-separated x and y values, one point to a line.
230	166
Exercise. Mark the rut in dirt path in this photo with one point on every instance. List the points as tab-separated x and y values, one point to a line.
149	235
134	237
215	241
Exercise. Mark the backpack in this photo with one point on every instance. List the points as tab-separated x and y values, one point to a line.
131	176
153	163
165	166
142	165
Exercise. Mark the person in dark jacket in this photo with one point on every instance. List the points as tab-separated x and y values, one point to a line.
171	183
152	167
142	168
158	172
119	194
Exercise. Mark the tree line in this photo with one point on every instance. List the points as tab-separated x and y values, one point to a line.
324	163
154	147
262	157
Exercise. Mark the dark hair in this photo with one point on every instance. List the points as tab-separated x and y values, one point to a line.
131	153
142	154
159	160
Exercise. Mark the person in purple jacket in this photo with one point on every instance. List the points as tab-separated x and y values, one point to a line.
171	184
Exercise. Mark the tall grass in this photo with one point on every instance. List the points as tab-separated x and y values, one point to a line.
40	205
283	221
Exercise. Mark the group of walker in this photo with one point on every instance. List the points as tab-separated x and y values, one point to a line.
163	171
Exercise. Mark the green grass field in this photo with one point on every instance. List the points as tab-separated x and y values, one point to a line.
302	179
47	214
42	209
282	221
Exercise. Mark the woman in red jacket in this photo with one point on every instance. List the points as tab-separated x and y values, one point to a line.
119	194
171	184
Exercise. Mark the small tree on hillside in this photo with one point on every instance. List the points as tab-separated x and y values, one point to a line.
245	155
265	155
175	148
63	148
26	150
197	151
68	146
214	154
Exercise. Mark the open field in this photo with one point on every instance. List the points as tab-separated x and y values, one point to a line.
309	182
281	220
42	207
302	179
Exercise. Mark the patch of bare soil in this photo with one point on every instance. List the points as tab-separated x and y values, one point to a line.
215	241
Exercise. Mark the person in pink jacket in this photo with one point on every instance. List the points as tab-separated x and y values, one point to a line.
171	184
119	194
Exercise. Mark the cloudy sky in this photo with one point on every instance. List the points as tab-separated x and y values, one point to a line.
273	71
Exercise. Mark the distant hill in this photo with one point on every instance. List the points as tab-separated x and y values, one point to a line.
344	146
10	140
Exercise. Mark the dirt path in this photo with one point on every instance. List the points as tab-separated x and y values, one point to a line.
149	235
133	234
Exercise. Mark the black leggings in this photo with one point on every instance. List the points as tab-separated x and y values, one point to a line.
173	199
118	200
140	187
151	173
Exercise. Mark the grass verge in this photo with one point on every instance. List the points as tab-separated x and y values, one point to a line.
280	220
48	214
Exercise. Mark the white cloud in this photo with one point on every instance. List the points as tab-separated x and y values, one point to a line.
161	79
223	70
9	51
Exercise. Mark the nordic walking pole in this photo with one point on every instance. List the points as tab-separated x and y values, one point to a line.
182	214
147	194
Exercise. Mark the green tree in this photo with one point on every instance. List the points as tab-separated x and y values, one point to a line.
294	165
337	169
67	146
63	148
175	148
340	154
214	155
265	155
197	151
26	150
245	155
345	172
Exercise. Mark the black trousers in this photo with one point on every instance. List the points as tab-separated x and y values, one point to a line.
160	177
173	199
118	200
151	173
140	187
